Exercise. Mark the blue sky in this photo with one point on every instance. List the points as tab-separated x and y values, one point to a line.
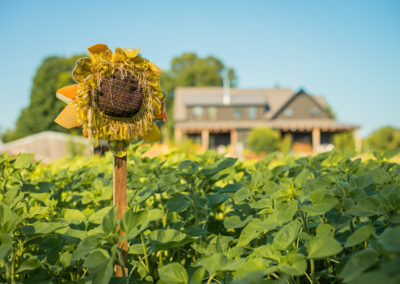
347	51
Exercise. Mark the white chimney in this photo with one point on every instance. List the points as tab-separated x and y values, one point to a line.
226	99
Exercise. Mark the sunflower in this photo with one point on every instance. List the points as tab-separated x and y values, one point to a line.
118	97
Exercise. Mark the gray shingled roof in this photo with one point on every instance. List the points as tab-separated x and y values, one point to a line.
217	99
206	96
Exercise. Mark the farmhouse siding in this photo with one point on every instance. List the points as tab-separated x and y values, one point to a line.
303	106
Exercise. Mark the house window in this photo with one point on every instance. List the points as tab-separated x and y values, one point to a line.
197	112
252	112
212	113
314	111
237	114
288	112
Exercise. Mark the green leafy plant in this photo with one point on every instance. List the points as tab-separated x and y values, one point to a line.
210	219
263	140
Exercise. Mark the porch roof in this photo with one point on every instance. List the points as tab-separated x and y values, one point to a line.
302	125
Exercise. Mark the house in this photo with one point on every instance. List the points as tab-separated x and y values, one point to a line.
216	116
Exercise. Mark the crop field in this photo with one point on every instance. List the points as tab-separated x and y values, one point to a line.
208	219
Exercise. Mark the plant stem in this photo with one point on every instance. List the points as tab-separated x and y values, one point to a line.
145	253
303	217
312	264
194	203
210	279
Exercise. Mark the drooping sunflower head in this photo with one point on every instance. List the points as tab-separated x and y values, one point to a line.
118	96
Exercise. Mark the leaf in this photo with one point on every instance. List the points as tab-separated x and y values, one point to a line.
141	196
242	194
373	277
178	203
361	234
367	207
250	232
30	264
358	263
197	277
286	236
301	179
153	214
269	252
173	273
65	259
6	245
85	247
253	265
324	229
167	181
322	246
322	202
218	262
224	164
74	216
284	212
293	264
188	167
388	154
231	187
233	222
97	216
109	222
216	198
47	228
131	220
390	239
168	238
23	161
8	219
4	157
100	266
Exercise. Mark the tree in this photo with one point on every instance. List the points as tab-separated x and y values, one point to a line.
191	70
344	141
385	138
263	140
52	74
330	111
285	143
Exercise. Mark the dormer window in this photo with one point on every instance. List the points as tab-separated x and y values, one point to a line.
252	112
237	114
288	112
197	112
314	111
212	113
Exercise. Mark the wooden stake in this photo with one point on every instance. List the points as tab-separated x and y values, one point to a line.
120	199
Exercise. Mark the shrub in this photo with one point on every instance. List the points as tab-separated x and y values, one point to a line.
263	140
285	144
344	141
385	138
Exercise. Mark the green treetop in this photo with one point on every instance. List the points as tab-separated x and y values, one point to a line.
52	74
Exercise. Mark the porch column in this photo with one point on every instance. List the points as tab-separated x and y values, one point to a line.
178	135
205	138
316	139
357	140
234	141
